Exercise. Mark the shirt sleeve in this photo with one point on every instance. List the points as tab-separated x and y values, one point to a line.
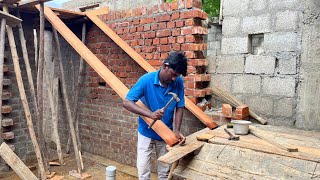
137	91
180	87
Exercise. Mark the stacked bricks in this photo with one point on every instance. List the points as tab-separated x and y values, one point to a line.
153	32
156	31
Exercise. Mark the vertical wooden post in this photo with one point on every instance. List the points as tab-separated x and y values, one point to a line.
67	103
2	44
23	97
76	96
40	88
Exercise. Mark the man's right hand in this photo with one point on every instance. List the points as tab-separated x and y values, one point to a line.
157	115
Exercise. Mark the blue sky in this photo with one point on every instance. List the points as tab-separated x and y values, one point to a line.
56	3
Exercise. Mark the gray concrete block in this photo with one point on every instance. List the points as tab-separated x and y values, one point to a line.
284	107
279	86
235	45
235	7
221	81
230	26
284	4
246	84
230	64
286	20
261	105
258	5
280	41
287	66
260	64
256	24
212	64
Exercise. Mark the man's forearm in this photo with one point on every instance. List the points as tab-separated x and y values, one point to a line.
178	119
133	107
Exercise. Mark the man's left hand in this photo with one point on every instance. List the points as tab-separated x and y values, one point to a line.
181	138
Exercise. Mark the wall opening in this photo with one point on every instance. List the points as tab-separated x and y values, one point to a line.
256	41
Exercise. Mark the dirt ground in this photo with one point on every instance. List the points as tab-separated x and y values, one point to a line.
95	169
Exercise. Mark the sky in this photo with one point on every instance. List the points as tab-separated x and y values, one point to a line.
56	3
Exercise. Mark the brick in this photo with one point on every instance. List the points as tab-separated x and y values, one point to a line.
156	41
7	135
164	40
176	32
193	30
194	14
164	33
176	47
6	95
174	5
7	122
242	112
193	39
195	92
175	16
149	34
164	48
227	110
163	18
198	62
193	47
6	109
180	39
171	24
172	40
146	27
179	23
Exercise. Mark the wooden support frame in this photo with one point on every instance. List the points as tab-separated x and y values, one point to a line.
160	128
146	66
11	20
23	97
2	45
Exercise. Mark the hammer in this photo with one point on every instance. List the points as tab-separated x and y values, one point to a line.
231	136
174	97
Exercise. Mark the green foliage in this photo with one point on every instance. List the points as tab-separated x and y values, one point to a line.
211	7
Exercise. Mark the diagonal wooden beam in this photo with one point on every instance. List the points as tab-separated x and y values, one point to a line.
205	119
160	128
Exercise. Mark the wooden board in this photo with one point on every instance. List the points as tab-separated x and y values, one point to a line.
30	3
15	163
227	162
160	128
100	11
10	19
146	66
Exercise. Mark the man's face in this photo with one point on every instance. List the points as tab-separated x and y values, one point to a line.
170	75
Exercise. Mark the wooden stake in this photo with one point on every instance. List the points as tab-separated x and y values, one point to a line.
15	163
66	100
2	44
23	97
76	96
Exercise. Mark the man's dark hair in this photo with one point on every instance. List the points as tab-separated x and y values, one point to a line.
178	62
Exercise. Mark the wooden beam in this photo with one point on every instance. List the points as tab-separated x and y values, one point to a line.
30	3
100	11
9	1
160	128
23	97
146	66
272	139
2	45
15	163
11	20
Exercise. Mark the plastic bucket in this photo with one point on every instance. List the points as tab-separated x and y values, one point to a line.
111	173
240	126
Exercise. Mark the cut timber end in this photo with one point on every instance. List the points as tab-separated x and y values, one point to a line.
74	173
99	11
11	20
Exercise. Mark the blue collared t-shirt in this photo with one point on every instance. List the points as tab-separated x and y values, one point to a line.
149	90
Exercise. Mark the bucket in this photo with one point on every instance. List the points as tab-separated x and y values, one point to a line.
240	127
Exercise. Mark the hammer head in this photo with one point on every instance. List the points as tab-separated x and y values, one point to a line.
174	96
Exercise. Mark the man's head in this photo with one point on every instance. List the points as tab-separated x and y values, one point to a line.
173	66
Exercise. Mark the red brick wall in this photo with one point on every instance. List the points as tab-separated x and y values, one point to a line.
105	127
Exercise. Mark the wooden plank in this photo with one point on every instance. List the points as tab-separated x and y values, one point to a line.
15	163
11	20
2	46
160	128
100	11
269	137
23	97
67	102
227	162
9	1
146	66
30	3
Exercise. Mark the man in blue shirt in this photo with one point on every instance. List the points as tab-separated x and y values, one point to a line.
152	89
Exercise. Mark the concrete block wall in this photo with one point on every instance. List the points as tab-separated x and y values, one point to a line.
260	55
